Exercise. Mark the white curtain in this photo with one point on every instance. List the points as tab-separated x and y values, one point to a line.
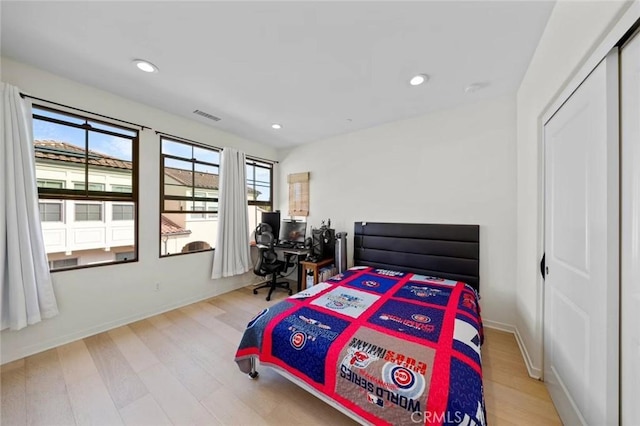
232	256
27	292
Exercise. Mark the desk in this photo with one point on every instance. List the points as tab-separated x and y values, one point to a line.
299	254
315	267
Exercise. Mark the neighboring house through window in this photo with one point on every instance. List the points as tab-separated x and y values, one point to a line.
189	195
86	174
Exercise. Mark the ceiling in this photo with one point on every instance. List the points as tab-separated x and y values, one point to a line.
317	68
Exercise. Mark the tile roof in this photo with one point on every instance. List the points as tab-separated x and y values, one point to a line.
63	151
169	227
185	177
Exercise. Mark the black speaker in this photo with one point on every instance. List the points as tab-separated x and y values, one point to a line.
329	241
317	244
273	220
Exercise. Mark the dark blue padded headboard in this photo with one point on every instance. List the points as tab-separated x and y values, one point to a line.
441	250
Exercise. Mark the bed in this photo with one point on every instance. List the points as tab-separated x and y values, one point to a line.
395	339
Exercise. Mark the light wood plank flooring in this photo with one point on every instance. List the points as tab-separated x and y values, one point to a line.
177	368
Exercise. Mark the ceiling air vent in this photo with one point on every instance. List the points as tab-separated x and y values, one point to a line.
207	115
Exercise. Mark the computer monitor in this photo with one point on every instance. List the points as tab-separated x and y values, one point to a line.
293	231
273	220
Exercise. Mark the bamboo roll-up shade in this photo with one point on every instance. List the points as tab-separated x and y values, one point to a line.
298	194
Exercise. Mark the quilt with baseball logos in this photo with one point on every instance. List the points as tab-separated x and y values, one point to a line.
389	347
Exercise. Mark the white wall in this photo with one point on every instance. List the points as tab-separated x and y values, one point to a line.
455	166
572	33
97	299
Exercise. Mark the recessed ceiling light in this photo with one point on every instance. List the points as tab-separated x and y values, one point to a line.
145	66
419	79
276	126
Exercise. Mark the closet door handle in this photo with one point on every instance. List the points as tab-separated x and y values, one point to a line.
544	270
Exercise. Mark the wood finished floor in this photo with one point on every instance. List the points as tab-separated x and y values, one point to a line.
177	368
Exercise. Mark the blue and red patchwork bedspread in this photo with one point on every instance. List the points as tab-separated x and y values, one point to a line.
389	347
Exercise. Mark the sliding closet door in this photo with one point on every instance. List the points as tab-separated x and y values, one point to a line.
630	190
581	293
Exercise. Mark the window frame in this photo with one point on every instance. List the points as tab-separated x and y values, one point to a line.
205	214
90	196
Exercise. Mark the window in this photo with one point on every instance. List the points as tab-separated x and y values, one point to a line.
51	211
86	212
92	186
84	166
122	212
189	195
259	190
127	255
44	183
63	263
121	188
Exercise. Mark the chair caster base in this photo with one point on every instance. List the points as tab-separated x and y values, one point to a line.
254	375
255	291
268	298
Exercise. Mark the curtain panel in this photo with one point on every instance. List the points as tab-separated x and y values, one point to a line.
27	294
232	256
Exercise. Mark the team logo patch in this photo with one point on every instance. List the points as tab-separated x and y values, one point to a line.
389	273
423	291
373	399
421	318
407	382
358	359
372	284
298	340
257	317
347	301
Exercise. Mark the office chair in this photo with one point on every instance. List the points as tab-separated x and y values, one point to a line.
268	263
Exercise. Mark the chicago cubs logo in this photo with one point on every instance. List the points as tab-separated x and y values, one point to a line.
257	317
421	318
402	377
407	382
298	340
371	284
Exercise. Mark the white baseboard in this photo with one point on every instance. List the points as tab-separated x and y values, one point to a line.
534	372
72	337
498	326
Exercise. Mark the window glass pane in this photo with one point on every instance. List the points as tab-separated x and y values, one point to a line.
178	177
206	155
129	255
58	116
114	129
122	212
92	186
63	263
177	149
109	161
121	188
48	183
51	211
182	233
59	151
88	212
207	180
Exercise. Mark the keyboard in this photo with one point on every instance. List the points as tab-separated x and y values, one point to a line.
285	244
